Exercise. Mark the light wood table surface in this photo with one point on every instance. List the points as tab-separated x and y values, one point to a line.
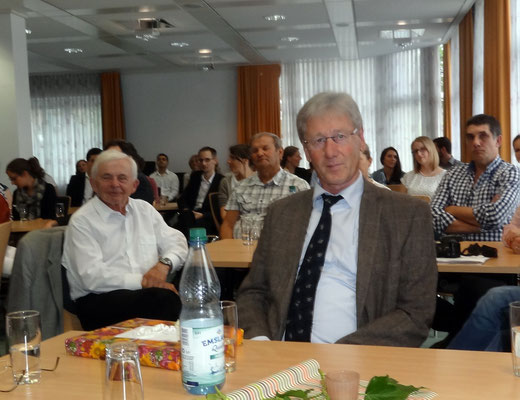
453	375
230	253
506	263
29	226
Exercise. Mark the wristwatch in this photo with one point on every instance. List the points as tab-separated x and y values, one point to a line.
167	262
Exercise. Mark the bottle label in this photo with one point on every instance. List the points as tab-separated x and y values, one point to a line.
203	360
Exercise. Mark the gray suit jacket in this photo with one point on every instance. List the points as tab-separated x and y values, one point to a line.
396	275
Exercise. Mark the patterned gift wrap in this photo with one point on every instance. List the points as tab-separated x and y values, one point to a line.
152	353
302	376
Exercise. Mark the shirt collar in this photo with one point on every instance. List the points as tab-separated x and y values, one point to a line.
351	194
105	211
275	180
208	180
489	169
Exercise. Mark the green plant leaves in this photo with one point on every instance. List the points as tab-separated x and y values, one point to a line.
386	388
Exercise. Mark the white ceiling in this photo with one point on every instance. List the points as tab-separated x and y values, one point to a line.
235	30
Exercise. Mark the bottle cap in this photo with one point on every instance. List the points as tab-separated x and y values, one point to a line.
198	234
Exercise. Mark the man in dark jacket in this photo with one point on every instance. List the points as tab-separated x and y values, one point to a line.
79	188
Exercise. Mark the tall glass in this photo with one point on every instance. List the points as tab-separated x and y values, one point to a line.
230	314
24	338
514	313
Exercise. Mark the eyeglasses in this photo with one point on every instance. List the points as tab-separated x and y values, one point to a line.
339	138
21	376
421	150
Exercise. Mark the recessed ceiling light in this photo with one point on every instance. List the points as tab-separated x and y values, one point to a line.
179	44
205	51
401	22
275	17
290	39
28	31
72	50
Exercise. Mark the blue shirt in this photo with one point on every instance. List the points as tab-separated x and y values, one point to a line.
335	302
458	188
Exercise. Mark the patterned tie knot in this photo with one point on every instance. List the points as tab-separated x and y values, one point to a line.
329	201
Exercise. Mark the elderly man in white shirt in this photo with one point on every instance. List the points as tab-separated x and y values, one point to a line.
118	251
165	179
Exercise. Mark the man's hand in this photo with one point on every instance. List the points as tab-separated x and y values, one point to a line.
156	277
197	215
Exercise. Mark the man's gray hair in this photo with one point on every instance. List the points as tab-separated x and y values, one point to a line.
112	155
276	139
341	103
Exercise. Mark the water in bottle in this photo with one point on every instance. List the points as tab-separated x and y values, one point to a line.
202	329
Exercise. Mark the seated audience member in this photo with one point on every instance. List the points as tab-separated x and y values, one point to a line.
165	179
488	327
79	188
516	147
254	194
46	177
365	274
194	201
81	166
6	203
446	160
365	160
290	162
33	193
426	174
118	251
391	173
194	166
144	190
476	201
240	164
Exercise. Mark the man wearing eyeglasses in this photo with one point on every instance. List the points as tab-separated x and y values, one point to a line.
345	262
254	194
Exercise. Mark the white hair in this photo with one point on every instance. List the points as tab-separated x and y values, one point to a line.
111	155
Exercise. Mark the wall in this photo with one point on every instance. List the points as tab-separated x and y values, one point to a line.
179	112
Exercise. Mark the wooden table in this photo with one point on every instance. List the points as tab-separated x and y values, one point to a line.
230	253
166	207
506	263
29	226
453	375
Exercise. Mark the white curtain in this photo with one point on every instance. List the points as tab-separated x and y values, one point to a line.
478	58
455	95
66	121
398	96
515	73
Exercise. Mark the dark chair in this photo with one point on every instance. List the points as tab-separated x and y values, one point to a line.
215	209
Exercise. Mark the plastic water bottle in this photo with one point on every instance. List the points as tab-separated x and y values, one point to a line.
202	329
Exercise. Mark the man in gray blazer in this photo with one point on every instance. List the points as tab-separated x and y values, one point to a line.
377	280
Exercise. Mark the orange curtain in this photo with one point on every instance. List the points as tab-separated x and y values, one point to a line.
112	107
466	78
497	61
258	108
447	89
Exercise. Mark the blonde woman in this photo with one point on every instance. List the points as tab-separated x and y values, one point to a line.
426	174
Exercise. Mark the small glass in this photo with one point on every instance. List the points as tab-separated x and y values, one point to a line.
245	229
514	314
230	314
123	379
342	385
163	200
24	338
60	210
23	211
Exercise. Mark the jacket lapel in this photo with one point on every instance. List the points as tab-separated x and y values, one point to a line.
369	228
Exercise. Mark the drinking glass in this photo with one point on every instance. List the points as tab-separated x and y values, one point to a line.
255	229
23	212
342	385
163	200
229	311
123	379
245	228
60	210
24	337
514	313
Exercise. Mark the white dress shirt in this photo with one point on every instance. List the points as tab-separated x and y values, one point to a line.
87	192
105	250
335	302
203	190
168	182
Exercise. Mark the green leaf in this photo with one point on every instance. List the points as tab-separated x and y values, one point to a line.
386	388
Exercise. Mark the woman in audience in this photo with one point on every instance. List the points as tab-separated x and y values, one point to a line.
365	160
291	159
391	173
426	174
34	195
239	162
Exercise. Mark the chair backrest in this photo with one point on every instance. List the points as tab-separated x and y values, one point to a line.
215	209
397	188
5	231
